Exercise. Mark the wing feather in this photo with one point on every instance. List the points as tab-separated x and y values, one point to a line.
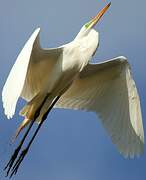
29	73
109	90
15	81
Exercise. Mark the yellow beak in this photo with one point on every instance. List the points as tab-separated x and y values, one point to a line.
94	21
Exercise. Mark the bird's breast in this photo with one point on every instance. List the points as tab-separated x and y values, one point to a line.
65	70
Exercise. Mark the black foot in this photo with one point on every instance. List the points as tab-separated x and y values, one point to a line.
16	152
18	162
12	160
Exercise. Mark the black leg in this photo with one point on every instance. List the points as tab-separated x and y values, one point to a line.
17	150
25	151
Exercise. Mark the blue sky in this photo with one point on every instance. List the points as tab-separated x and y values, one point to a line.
73	144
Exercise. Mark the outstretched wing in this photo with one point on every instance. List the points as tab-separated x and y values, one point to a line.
29	72
109	90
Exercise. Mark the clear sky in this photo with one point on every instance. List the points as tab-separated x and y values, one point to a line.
72	145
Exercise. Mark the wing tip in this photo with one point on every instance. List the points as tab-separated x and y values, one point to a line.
37	30
35	33
132	151
9	113
122	58
8	110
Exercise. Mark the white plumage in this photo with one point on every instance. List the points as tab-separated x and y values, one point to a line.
107	88
15	81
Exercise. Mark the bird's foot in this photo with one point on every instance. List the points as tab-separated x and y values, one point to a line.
18	162
12	160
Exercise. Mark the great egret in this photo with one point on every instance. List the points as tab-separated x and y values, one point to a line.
62	77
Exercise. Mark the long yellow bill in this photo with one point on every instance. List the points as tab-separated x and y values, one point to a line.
93	21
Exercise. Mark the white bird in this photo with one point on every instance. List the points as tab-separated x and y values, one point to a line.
108	89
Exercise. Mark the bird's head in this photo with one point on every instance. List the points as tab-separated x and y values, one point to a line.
88	27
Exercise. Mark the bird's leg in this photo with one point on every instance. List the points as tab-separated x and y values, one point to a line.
25	151
17	150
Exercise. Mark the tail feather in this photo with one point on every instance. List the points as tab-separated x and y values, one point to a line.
31	107
39	104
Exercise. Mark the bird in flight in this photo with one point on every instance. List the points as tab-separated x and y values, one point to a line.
63	77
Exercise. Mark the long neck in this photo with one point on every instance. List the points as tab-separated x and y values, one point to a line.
88	42
82	33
